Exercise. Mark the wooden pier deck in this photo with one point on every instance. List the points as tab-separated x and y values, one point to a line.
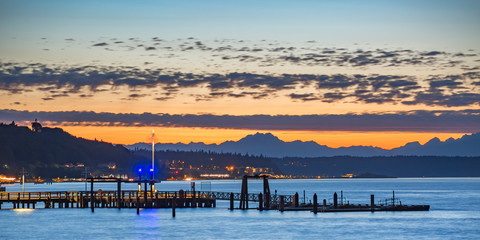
108	199
129	199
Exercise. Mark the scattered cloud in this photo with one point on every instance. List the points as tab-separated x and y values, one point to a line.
56	81
273	53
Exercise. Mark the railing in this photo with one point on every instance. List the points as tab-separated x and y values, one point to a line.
10	196
253	197
126	194
390	202
38	195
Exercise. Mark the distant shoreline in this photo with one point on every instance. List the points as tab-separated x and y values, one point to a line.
229	179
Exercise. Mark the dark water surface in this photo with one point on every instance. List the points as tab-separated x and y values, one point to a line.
454	213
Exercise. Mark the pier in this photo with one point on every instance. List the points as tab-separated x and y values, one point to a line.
107	199
110	199
151	198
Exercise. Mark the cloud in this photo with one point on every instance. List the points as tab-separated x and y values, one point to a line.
402	83
449	100
336	81
407	121
333	96
136	95
445	83
365	58
440	90
100	44
279	54
432	53
304	97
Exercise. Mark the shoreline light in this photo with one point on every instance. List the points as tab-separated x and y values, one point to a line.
215	175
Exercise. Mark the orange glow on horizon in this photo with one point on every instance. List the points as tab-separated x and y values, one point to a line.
334	139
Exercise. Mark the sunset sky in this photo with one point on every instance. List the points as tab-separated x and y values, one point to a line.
340	73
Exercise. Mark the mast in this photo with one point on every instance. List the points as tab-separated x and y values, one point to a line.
23	179
153	153
85	178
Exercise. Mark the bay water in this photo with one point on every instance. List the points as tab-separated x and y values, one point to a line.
454	213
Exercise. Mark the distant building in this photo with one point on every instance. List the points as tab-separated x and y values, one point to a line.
348	175
112	166
36	126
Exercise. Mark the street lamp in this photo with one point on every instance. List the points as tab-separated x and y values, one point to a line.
139	179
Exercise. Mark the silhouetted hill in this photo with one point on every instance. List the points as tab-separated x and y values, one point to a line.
269	145
47	152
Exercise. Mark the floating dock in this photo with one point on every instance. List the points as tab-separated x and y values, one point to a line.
391	204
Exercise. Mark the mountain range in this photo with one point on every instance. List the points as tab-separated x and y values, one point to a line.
52	153
266	144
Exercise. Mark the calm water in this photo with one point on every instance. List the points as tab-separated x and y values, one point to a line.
454	214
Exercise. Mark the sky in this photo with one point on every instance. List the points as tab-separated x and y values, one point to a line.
340	73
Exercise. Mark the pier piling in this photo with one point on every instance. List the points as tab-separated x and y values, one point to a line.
91	195
119	194
393	198
296	199
145	195
137	204
260	202
174	202
372	202
335	200
282	201
315	204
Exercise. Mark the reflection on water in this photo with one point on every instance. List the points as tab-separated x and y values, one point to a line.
23	211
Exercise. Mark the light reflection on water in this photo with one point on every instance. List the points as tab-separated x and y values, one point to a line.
454	214
23	211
